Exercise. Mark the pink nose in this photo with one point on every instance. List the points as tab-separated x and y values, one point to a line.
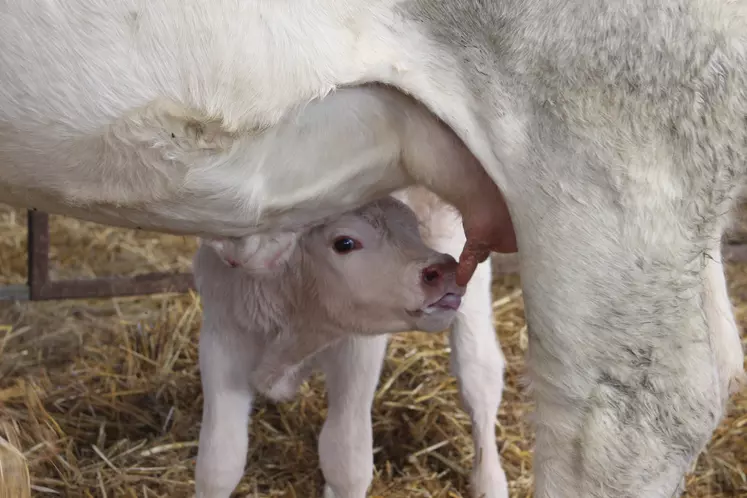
433	274
232	263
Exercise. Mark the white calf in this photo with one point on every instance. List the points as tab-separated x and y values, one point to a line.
326	300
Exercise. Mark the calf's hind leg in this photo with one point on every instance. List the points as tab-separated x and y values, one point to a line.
478	364
477	361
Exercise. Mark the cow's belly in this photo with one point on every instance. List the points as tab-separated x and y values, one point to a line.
206	214
144	218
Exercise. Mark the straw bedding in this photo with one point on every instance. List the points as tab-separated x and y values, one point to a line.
101	398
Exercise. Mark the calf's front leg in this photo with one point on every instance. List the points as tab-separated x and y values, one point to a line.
224	433
352	368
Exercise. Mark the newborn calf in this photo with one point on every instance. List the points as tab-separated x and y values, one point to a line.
276	307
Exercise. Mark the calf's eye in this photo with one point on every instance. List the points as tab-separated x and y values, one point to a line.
344	244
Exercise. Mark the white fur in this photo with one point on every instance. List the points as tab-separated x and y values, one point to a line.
615	130
255	320
198	131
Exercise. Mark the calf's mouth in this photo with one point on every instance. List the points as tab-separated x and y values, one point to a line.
450	301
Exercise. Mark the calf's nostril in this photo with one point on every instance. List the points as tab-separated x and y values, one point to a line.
431	275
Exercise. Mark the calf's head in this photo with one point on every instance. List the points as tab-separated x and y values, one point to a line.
367	271
374	273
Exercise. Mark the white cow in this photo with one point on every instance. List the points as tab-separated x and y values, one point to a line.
614	130
323	300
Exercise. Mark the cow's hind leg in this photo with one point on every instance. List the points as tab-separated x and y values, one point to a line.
620	358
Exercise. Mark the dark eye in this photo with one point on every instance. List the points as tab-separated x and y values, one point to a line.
345	244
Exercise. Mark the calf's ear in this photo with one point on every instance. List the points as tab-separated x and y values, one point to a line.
258	253
270	251
220	245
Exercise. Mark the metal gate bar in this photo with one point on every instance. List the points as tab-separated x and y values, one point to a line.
40	288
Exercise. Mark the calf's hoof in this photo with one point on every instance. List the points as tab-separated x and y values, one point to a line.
328	493
489	483
213	492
